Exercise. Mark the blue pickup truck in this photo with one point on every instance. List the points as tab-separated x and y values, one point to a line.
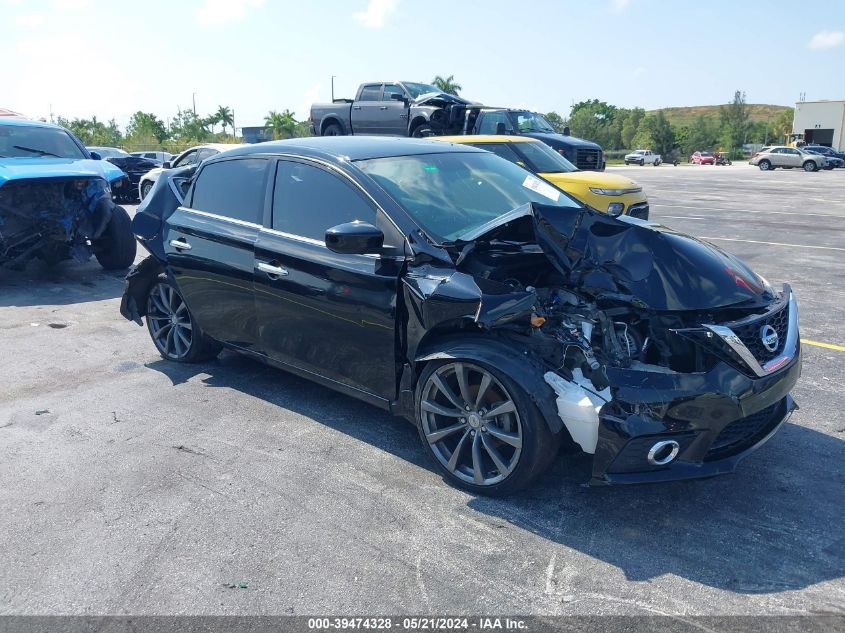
56	199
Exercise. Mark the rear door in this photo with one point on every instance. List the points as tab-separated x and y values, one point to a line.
365	110
210	245
323	312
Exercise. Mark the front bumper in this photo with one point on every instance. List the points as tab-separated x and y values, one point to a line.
717	418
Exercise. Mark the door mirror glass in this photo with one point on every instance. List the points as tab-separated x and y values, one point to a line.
397	96
166	165
96	156
355	238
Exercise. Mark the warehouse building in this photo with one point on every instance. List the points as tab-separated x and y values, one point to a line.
820	123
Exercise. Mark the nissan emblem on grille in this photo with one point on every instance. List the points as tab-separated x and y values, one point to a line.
769	337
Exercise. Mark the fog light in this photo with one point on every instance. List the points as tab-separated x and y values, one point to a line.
615	209
663	452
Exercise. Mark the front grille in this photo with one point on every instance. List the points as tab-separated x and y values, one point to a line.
749	334
639	211
587	158
745	432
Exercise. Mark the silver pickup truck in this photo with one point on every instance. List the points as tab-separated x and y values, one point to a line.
399	108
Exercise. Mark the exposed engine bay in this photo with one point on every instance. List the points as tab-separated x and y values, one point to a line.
52	218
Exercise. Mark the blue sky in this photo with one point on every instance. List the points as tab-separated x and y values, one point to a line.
109	58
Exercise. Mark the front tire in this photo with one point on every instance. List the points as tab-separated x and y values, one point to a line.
642	162
810	166
422	131
172	327
145	189
116	248
482	429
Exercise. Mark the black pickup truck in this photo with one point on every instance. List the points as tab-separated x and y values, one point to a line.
583	154
399	108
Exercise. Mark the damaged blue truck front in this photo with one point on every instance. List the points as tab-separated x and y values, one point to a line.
56	199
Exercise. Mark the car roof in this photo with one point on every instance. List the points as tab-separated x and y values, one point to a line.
352	147
28	123
486	138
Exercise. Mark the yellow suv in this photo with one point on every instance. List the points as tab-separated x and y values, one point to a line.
605	192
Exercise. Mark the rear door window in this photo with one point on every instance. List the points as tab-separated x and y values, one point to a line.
307	200
233	188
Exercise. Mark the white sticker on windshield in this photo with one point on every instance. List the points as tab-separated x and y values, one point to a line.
544	189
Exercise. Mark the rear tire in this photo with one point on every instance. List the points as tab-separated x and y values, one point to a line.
116	248
145	189
172	327
810	166
333	129
490	455
764	165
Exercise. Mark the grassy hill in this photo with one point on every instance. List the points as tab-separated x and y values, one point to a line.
686	116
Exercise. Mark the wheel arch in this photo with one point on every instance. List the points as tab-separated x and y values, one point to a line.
329	120
507	358
416	122
133	305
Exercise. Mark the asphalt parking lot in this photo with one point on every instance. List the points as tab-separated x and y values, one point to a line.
133	485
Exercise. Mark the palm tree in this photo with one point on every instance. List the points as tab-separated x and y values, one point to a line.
447	85
283	124
225	117
211	120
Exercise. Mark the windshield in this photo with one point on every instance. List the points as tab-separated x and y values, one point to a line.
451	194
34	142
544	159
531	122
706	154
416	90
109	152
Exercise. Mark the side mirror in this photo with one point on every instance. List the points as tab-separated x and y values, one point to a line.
395	96
166	165
566	131
355	238
96	156
500	128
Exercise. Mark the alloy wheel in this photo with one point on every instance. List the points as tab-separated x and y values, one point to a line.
169	321
471	423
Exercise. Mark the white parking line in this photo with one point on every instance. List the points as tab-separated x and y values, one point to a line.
734	239
679	206
683	217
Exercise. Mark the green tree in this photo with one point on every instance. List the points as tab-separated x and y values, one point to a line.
735	122
632	122
146	125
186	128
94	132
594	120
225	117
655	133
282	124
702	135
447	84
556	121
782	126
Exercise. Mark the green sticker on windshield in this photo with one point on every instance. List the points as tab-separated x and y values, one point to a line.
430	168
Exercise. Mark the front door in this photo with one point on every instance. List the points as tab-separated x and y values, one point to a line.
210	245
392	114
331	314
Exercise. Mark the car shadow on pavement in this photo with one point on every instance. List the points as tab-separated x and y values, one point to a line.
63	284
773	526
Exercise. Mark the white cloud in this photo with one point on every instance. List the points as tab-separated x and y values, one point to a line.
639	71
827	39
620	5
376	14
30	20
71	5
220	12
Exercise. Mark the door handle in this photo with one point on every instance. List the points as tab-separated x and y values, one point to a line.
180	244
272	271
356	107
382	107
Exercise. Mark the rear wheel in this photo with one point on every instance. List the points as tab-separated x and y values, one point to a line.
172	327
484	432
333	129
764	165
145	189
810	166
117	247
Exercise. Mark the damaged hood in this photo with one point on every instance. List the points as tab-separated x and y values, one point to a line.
439	98
45	167
648	264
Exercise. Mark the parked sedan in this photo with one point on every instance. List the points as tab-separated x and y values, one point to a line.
830	162
702	158
788	158
450	286
191	156
159	157
603	191
825	151
133	166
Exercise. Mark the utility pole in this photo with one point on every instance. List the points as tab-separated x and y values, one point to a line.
194	99
333	88
234	129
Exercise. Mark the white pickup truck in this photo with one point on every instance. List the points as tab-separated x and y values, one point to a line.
643	156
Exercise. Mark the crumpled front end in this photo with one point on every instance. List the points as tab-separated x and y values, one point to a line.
52	218
662	356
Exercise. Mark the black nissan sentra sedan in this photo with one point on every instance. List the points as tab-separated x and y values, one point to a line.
454	288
